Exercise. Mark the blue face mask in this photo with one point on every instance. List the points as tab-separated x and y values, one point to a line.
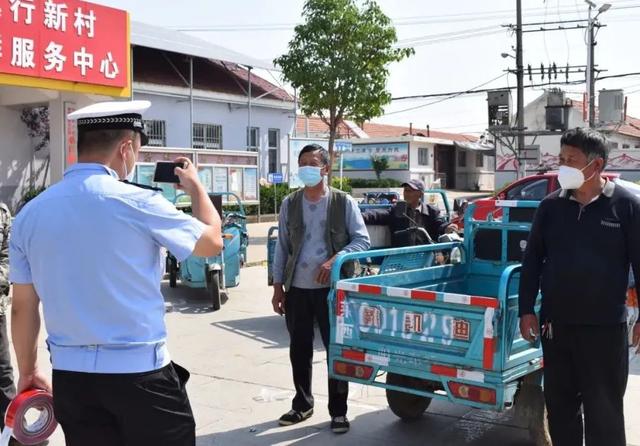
310	175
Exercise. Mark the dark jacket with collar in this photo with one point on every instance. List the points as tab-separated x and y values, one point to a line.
579	257
426	216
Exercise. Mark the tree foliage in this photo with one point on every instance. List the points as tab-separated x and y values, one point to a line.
380	163
339	61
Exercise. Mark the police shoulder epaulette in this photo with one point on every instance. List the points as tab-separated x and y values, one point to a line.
142	186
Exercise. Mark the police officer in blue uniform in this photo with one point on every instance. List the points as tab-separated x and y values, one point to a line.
88	248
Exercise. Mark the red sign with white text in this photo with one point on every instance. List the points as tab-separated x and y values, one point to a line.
68	40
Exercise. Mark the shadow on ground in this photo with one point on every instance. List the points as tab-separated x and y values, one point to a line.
478	428
183	299
270	331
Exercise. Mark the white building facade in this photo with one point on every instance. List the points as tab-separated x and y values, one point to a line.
624	138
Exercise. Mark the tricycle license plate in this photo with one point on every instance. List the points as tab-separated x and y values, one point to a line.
370	316
412	322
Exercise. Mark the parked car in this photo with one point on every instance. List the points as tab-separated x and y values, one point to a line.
530	188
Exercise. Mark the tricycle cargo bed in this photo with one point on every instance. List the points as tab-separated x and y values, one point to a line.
441	326
438	313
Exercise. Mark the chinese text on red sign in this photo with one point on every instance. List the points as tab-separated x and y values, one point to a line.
67	40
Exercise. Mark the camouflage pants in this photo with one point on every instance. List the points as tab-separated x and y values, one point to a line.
7	387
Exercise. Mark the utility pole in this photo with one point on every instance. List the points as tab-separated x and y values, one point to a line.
591	84
520	87
591	66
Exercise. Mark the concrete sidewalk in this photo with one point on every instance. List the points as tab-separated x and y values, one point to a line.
257	250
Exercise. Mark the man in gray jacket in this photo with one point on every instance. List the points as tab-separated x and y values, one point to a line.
317	223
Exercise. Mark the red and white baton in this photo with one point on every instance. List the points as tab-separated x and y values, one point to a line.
17	426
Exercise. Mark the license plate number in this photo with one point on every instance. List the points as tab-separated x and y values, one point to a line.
370	316
412	322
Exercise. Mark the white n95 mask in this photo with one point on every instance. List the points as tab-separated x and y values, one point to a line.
572	178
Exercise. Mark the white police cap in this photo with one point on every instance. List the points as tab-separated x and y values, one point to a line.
112	115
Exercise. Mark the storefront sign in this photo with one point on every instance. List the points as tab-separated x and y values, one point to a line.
60	44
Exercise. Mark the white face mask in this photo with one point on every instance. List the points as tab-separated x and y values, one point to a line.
572	178
130	175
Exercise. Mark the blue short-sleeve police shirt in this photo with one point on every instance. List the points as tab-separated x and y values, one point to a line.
91	246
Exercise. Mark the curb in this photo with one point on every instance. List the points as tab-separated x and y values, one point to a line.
257	263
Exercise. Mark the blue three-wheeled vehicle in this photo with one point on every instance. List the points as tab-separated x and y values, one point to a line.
220	272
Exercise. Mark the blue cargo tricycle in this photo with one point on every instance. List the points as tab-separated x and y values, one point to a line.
379	236
447	331
217	273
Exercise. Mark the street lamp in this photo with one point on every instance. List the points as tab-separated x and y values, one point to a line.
603	8
505	55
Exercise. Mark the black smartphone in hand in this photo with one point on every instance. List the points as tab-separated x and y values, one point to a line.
165	172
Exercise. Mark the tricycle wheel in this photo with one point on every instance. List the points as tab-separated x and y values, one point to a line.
173	271
407	406
531	410
213	288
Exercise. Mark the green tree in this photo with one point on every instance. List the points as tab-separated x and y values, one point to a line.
380	164
339	61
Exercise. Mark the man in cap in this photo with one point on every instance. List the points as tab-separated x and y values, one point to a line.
88	248
418	214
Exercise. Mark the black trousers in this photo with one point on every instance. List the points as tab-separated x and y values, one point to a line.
104	409
585	373
302	308
7	387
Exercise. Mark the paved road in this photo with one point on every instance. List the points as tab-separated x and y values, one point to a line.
241	384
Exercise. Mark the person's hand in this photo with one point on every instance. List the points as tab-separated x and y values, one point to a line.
635	340
529	327
324	274
278	299
189	179
451	228
34	380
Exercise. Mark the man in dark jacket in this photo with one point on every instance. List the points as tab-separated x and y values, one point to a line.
417	214
583	239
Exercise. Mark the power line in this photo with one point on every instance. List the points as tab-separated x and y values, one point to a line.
402	21
475	90
451	96
429	40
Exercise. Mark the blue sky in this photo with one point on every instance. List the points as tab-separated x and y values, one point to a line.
446	60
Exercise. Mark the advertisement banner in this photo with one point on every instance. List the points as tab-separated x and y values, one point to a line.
360	156
70	40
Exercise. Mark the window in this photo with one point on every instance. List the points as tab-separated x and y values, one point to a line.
274	145
423	156
614	145
156	133
207	136
479	159
625	146
530	190
253	137
462	158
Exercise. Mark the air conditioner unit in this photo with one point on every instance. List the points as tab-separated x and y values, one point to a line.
499	105
611	106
